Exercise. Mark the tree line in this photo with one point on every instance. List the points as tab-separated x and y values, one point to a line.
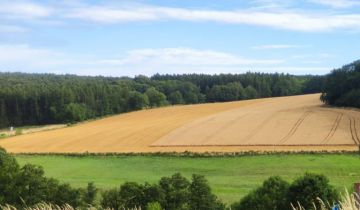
35	99
342	86
27	186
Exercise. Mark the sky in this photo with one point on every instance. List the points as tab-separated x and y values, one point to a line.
128	38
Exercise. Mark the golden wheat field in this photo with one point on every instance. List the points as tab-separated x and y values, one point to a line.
274	124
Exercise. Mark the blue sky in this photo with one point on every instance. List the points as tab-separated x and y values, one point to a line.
127	38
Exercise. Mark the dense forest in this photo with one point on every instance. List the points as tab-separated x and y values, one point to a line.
342	86
34	99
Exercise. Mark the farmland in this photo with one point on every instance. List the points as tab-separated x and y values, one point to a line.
273	124
229	177
285	123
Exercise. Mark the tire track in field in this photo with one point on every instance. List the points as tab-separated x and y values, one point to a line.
353	130
333	128
211	135
295	126
259	127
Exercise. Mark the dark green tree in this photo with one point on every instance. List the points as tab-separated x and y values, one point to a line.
75	112
176	189
270	196
132	195
90	194
111	199
308	188
176	98
201	197
137	101
250	92
155	97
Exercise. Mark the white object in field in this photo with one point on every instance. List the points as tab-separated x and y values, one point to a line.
11	128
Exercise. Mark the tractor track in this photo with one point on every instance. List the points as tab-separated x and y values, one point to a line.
353	130
333	128
295	127
259	127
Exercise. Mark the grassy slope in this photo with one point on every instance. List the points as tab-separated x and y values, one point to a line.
230	177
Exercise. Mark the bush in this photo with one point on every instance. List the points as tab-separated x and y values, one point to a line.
271	195
176	189
308	188
27	186
132	194
153	206
90	194
137	101
156	98
111	199
75	112
201	197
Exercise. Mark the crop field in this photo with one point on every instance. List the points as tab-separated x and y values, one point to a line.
229	177
273	124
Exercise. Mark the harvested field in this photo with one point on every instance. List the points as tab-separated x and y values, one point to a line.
280	124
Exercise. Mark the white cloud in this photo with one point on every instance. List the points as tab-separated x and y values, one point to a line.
180	60
22	57
296	20
185	56
108	15
337	3
24	10
12	29
276	46
139	61
284	19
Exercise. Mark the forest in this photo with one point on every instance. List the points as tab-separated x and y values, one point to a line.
36	99
342	86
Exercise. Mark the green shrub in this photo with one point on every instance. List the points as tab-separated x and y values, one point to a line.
27	186
153	206
201	197
308	188
271	195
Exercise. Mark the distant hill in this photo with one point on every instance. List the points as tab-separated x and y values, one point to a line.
33	99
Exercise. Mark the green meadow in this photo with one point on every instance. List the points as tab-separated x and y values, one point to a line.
230	177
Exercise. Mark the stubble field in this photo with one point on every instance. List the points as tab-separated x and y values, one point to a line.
275	124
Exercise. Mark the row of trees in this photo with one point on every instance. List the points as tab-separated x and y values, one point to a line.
32	99
342	86
277	194
175	192
27	186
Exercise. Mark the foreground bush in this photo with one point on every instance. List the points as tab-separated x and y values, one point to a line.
308	188
271	195
277	194
173	193
347	202
27	186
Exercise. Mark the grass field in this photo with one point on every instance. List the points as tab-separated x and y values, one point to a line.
230	177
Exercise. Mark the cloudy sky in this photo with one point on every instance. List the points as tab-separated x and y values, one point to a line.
117	38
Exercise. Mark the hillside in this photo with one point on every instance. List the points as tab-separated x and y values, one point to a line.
284	123
41	99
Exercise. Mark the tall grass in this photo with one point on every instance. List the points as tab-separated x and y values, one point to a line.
348	202
45	206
